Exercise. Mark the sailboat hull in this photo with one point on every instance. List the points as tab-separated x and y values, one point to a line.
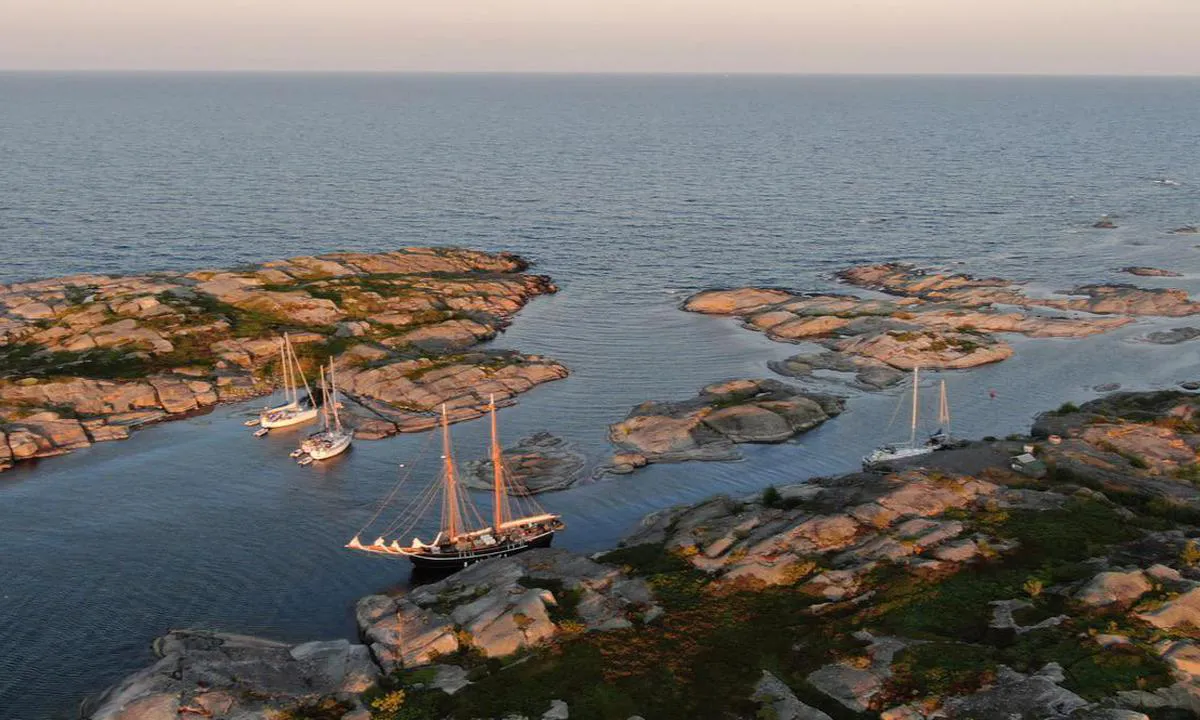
288	417
450	562
327	447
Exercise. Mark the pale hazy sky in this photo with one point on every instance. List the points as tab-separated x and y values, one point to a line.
783	36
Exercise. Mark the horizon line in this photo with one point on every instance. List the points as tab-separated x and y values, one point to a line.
576	73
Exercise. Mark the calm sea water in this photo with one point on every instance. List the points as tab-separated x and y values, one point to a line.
631	192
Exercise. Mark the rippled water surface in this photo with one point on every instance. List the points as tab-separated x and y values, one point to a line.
631	192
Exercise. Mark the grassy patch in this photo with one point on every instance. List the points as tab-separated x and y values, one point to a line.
941	669
1051	545
23	359
324	709
700	659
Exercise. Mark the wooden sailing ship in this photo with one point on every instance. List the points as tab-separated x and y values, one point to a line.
517	524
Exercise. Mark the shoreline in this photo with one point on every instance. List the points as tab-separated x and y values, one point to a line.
517	605
92	357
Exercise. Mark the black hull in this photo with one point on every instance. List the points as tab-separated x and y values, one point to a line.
452	562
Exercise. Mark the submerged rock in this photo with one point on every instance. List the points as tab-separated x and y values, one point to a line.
1173	336
1143	271
539	463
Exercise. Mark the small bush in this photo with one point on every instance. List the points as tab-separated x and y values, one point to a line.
1033	587
1190	555
771	497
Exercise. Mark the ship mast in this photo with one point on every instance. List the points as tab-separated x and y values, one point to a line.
451	509
499	496
912	436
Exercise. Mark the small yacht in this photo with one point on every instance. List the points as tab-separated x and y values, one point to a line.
939	440
333	439
297	409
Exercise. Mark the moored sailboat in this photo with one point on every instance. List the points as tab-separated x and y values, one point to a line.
911	449
333	439
296	409
517	522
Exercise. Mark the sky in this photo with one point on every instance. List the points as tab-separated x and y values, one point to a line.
1068	37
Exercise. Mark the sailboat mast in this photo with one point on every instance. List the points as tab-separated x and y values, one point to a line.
497	475
286	366
944	410
298	371
325	398
912	437
337	420
452	520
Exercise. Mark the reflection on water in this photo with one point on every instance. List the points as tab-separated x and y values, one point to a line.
631	192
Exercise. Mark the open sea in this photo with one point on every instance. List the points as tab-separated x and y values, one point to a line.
631	191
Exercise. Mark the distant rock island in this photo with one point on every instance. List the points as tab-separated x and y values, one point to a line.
936	321
1051	576
87	358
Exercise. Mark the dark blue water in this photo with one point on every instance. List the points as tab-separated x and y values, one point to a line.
631	192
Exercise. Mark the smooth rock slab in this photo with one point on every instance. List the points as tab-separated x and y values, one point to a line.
775	694
234	676
1114	588
710	426
1020	696
498	607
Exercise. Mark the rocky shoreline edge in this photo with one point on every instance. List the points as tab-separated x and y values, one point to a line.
88	358
969	585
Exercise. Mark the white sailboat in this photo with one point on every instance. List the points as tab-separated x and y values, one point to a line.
518	523
333	439
911	449
296	409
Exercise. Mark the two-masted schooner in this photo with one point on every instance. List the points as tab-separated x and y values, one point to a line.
911	449
296	409
517	524
332	439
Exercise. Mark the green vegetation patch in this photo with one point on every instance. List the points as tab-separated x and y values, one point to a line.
25	359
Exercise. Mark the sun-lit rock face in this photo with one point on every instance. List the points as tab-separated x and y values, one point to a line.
500	606
832	532
109	353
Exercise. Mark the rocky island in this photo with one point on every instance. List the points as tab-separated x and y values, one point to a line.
710	426
957	587
932	320
87	358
